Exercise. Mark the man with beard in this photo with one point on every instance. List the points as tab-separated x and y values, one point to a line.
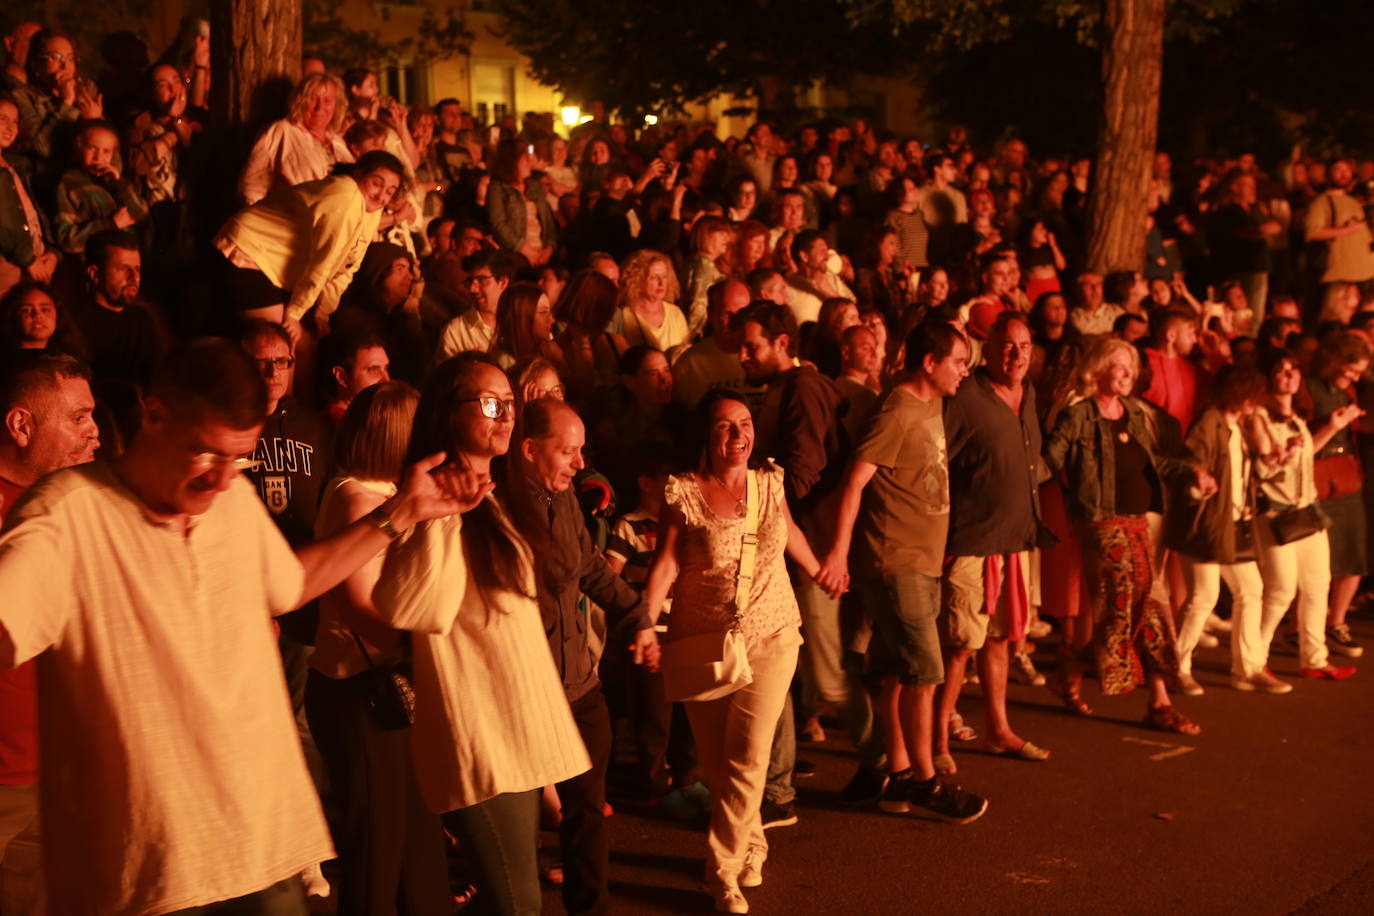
992	436
48	424
800	428
118	332
1338	219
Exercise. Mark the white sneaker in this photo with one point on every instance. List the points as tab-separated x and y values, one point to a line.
728	898
1187	685
1264	681
1207	641
751	875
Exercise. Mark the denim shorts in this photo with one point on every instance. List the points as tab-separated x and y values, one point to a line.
905	608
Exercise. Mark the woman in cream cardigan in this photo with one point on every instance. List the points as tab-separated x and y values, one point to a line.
492	724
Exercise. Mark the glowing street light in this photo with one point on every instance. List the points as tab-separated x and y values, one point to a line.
571	115
650	120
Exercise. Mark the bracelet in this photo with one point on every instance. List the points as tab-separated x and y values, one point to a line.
382	521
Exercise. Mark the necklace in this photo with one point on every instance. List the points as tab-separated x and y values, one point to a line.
741	508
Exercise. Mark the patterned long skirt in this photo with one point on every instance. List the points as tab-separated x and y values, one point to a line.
1130	633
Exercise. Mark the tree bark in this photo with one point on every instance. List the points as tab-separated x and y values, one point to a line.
255	50
1132	53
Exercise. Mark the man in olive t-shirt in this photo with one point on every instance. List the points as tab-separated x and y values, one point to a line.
897	490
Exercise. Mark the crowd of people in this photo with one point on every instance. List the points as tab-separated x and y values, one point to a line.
366	519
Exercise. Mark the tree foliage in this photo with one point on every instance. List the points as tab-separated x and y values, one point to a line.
639	57
439	35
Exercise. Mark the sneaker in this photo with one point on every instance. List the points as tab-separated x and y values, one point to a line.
1329	673
951	803
802	769
777	815
751	875
812	731
896	797
1344	643
1207	641
728	898
1217	624
865	787
1187	685
1264	681
1038	629
1022	670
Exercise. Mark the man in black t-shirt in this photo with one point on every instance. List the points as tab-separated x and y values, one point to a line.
121	340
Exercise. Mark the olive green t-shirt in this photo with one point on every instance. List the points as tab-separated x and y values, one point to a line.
904	517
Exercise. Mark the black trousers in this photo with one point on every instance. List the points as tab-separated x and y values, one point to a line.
583	835
391	848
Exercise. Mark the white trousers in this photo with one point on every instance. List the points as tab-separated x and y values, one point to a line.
1248	649
1301	568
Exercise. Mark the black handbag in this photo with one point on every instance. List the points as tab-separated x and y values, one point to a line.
1293	524
390	696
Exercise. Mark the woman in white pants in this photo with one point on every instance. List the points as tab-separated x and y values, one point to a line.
702	543
1213	533
1284	449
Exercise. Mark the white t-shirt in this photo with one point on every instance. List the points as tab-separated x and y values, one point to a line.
466	332
171	772
490	713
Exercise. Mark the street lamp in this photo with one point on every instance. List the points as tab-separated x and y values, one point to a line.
571	115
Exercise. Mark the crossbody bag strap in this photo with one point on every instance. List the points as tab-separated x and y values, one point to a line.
749	546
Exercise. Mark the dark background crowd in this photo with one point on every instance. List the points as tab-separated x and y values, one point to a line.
628	271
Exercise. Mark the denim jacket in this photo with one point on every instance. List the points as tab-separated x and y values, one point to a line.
1080	446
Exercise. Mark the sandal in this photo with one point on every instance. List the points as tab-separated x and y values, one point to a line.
1169	719
1073	700
944	765
960	731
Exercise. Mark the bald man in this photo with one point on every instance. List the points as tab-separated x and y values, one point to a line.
570	565
713	362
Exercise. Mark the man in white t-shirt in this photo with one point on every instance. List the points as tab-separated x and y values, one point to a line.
170	771
488	273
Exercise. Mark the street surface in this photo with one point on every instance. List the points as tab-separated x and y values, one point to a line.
1269	811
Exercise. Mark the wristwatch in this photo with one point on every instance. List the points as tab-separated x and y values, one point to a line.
382	520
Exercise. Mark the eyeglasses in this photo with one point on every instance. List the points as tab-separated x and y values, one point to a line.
57	58
279	364
493	408
207	460
480	278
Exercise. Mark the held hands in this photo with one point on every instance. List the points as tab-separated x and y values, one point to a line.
833	574
432	489
645	649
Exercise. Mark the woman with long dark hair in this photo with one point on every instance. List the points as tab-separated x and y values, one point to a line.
492	723
517	209
702	550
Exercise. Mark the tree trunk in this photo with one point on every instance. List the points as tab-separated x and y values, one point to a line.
255	59
1132	53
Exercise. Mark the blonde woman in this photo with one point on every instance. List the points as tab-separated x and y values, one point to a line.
303	146
1103	444
647	315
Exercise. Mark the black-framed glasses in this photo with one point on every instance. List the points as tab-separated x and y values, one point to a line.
278	364
493	408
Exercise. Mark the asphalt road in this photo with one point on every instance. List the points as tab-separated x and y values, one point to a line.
1269	810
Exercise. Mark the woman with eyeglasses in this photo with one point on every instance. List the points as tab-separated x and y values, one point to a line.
391	848
1295	561
492	723
534	378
